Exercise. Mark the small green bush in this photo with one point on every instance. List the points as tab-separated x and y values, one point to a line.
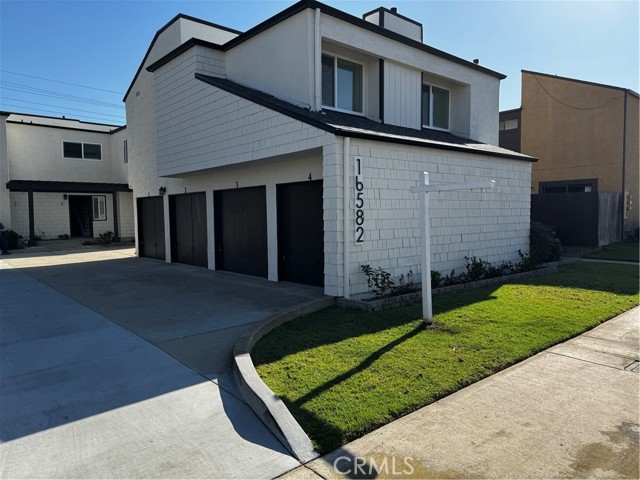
544	245
379	280
12	238
105	238
436	279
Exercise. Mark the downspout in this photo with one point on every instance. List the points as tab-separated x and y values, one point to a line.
317	61
624	164
346	292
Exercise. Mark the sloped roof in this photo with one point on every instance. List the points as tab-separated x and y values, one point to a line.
357	126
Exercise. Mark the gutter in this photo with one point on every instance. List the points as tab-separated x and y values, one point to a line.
346	290
624	165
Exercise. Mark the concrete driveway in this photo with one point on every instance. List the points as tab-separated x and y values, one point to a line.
114	366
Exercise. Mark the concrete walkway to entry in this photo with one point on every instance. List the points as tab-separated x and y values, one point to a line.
569	412
119	367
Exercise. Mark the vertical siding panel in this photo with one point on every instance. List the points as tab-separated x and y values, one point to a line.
402	95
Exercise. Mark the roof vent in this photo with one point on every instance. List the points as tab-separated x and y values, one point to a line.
392	20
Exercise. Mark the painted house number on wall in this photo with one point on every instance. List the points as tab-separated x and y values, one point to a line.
359	201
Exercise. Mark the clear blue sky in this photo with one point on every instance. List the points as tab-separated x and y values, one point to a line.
101	43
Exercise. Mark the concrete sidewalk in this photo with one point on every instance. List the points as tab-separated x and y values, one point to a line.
569	412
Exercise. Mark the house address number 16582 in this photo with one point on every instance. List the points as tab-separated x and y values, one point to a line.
359	191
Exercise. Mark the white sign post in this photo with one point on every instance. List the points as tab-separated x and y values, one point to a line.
425	188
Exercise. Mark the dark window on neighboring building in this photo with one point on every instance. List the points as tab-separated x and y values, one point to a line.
89	151
511	124
570	186
126	151
72	150
92	151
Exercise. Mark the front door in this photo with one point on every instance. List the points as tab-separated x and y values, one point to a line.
80	216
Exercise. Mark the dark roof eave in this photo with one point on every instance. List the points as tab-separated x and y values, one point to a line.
430	144
289	113
62	127
334	12
346	132
65	187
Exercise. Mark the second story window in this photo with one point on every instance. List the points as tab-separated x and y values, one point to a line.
342	84
87	151
435	107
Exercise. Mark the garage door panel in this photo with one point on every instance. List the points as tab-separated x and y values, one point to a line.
151	228
199	229
241	230
188	217
301	233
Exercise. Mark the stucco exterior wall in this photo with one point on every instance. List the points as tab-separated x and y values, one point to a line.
580	138
491	225
35	153
279	61
483	90
576	130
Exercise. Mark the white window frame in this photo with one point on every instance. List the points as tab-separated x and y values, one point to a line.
83	157
335	84
431	85
102	208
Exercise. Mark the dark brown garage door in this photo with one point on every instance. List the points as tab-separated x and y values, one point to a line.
241	230
301	233
151	228
188	215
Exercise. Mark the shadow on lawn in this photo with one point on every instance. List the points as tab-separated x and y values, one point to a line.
338	324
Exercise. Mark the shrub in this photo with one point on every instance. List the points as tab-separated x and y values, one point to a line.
13	239
379	280
64	236
436	279
105	238
544	245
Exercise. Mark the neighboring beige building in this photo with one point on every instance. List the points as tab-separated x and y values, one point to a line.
584	134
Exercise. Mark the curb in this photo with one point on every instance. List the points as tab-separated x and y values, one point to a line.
266	404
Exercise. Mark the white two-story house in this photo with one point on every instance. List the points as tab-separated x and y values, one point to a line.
288	151
61	177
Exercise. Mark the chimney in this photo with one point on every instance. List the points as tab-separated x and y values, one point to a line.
392	20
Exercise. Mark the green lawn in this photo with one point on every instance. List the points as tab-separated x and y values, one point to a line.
623	251
343	373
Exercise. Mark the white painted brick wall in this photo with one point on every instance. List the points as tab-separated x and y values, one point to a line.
491	225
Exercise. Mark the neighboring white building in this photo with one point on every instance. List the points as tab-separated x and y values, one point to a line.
61	176
244	146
